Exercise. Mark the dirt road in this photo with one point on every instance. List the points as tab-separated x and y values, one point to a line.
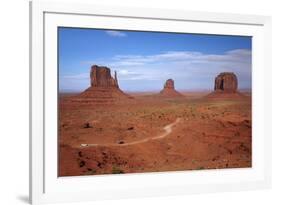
167	130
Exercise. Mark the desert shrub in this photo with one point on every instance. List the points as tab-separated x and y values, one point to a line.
87	125
90	171
117	170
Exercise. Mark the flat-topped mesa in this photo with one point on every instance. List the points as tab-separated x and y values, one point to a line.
100	76
226	82
226	85
169	90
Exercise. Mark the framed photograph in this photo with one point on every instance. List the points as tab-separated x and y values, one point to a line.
129	102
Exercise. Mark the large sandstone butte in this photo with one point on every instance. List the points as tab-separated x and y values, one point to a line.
226	82
226	85
104	88
101	77
169	90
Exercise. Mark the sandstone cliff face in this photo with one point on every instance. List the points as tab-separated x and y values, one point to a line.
226	85
226	82
169	90
169	84
104	88
101	77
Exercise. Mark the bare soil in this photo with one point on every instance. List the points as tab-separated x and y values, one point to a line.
150	134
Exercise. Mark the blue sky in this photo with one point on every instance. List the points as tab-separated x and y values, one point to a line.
144	60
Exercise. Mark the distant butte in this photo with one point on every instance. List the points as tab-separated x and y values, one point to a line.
104	88
226	82
226	85
169	90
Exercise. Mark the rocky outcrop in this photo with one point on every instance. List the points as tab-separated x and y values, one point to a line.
169	90
101	77
226	86
169	84
104	88
226	82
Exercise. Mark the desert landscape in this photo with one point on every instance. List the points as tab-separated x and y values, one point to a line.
104	130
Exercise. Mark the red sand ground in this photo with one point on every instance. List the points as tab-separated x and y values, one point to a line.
130	137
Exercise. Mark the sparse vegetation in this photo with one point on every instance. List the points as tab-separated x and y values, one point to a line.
200	141
87	125
90	171
117	170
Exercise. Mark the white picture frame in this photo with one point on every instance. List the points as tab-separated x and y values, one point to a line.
46	187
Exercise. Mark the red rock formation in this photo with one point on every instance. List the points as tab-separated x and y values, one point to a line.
226	82
104	88
101	77
226	85
169	84
169	90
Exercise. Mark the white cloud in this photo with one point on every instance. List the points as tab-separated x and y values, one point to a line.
239	55
116	33
190	70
